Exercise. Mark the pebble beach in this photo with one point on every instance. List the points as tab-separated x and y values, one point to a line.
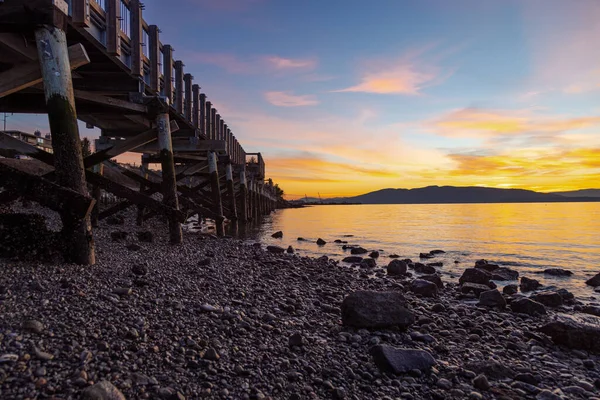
220	318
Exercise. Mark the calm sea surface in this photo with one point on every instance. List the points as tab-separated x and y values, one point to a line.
525	237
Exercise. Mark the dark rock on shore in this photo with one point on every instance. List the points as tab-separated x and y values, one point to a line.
367	309
556	272
358	250
576	332
436	264
510	289
374	254
397	267
594	281
352	259
434	278
529	285
549	299
118	236
437	252
424	269
290	250
424	288
492	298
368	263
475	288
275	249
301	239
102	391
527	306
277	235
505	274
321	242
426	255
475	275
398	361
592	310
145	236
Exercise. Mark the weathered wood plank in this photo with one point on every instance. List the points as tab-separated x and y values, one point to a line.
80	13
18	44
24	76
137	65
154	49
110	102
113	27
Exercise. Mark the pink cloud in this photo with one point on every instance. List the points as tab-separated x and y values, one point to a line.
287	99
253	64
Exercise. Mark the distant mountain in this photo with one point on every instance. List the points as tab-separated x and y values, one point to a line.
580	193
453	194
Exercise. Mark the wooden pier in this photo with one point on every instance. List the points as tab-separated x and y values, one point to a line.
100	62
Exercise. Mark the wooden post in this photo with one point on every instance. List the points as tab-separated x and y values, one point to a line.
144	171
113	27
213	125
208	113
168	172
219	127
96	194
187	78
137	66
68	160
243	197
225	130
168	72
154	49
230	191
179	86
202	117
216	191
81	13
196	106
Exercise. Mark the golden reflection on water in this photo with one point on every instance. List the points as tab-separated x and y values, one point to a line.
528	235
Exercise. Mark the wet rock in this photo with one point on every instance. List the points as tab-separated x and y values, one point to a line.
398	361
434	252
557	272
510	289
368	263
33	325
566	295
397	267
394	256
145	236
321	242
424	269
505	274
576	332
374	254
275	249
424	288
434	278
277	235
492	298
118	236
481	382
475	275
368	309
102	391
436	264
549	299
527	306
594	281
592	310
290	250
426	255
475	288
358	250
301	239
528	285
352	259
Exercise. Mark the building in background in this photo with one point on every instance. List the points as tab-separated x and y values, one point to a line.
42	142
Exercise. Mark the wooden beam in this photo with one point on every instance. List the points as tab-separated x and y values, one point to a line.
24	76
81	13
187	105
154	50
47	193
18	44
113	27
137	65
111	102
185	146
202	117
196	106
168	72
179	86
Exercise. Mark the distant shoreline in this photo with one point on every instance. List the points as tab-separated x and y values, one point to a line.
566	200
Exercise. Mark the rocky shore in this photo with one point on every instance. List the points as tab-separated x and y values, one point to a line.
218	318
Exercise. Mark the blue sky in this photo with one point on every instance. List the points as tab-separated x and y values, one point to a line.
344	97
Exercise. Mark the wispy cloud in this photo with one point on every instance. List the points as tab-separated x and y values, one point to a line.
408	75
227	5
288	99
259	64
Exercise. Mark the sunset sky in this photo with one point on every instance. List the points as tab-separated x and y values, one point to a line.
343	97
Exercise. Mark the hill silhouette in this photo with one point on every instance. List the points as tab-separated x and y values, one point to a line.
454	194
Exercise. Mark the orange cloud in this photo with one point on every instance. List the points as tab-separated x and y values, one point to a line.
473	122
407	75
287	99
252	65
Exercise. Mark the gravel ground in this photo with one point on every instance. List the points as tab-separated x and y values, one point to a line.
216	318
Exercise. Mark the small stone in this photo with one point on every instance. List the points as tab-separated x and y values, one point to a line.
557	272
277	235
275	249
321	242
509	290
528	306
492	298
296	339
394	360
528	285
358	250
140	269
374	254
9	358
42	355
481	382
123	291
424	288
102	391
34	326
368	263
352	259
397	267
145	236
290	250
211	355
118	236
444	384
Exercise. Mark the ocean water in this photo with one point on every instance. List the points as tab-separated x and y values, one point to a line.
526	237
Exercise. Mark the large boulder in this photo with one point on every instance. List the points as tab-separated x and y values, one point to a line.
475	275
368	309
398	361
576	332
424	288
476	288
358	250
397	267
435	278
368	263
557	272
505	274
492	298
549	299
594	281
424	269
102	391
527	306
275	249
528	285
592	310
